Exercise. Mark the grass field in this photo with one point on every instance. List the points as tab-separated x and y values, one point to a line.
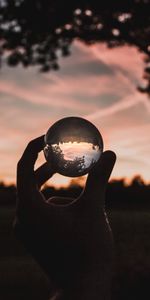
22	279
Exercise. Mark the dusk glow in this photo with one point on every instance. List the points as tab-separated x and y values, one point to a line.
95	83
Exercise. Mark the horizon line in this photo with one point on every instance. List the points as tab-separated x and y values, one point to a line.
78	181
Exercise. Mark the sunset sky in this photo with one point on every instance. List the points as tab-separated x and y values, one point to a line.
96	83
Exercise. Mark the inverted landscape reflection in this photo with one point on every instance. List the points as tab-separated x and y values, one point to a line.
73	145
74	157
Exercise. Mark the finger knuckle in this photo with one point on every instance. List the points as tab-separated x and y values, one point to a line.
20	163
30	144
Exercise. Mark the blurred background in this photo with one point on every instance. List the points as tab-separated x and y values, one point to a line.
87	61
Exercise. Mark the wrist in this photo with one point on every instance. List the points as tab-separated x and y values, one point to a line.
93	286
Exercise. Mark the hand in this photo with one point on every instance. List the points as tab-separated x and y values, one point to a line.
70	238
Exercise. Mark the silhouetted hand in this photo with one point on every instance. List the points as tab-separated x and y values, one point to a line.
70	238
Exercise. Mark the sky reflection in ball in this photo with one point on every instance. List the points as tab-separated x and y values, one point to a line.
73	146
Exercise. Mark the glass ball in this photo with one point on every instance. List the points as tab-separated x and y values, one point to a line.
73	146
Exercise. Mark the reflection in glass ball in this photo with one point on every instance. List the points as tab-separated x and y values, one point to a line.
73	146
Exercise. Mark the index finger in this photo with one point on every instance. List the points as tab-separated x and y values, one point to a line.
25	167
30	153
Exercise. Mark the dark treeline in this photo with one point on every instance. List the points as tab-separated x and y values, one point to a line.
118	195
133	196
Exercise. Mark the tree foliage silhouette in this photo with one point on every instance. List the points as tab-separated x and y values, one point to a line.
33	32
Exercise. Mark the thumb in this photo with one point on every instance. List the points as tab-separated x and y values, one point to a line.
98	177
